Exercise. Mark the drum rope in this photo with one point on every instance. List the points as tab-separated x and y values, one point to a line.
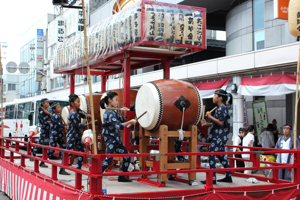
181	132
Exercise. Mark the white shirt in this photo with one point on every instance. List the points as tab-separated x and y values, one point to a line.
266	139
249	137
285	145
236	142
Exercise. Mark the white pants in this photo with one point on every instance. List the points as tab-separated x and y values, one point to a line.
248	164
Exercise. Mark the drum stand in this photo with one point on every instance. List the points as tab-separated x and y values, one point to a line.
165	146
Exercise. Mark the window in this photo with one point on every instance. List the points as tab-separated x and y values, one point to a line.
259	14
259	40
23	110
11	87
9	112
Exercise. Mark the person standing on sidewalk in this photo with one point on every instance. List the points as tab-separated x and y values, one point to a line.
286	142
238	141
248	142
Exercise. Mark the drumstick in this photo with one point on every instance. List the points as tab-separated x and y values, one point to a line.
203	113
138	118
62	118
212	110
43	109
82	113
118	109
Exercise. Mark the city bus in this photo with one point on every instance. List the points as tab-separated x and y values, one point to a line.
20	114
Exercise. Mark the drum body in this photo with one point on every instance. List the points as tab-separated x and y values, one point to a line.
85	106
65	113
165	100
133	94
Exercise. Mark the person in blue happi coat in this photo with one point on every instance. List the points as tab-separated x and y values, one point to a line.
75	127
219	133
57	132
113	123
44	119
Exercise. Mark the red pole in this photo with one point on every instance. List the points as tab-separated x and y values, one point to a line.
126	66
166	68
296	173
103	83
72	84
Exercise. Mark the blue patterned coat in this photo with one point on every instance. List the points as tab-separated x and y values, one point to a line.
44	119
56	126
75	125
113	123
221	133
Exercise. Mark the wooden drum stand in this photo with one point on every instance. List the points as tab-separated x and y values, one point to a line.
165	146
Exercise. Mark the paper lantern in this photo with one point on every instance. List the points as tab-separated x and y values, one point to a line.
137	25
149	22
294	17
198	25
188	29
179	27
170	26
127	29
159	24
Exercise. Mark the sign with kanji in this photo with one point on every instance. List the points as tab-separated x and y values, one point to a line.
260	116
60	29
80	20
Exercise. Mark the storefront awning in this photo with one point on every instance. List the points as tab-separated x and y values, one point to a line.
272	85
207	89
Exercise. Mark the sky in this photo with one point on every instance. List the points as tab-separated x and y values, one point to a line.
16	16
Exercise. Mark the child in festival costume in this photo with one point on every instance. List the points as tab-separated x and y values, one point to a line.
219	133
75	127
44	119
57	132
113	123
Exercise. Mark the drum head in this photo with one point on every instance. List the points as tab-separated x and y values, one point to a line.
102	110
65	113
84	105
149	99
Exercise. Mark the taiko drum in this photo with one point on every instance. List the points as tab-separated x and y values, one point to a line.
166	102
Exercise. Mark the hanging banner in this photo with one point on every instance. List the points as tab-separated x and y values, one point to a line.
60	29
80	23
207	89
260	116
272	85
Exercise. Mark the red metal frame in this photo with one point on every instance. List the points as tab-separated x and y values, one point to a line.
96	174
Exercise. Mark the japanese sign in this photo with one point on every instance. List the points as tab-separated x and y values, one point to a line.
39	53
137	25
80	20
198	30
60	29
188	31
281	9
260	116
150	23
